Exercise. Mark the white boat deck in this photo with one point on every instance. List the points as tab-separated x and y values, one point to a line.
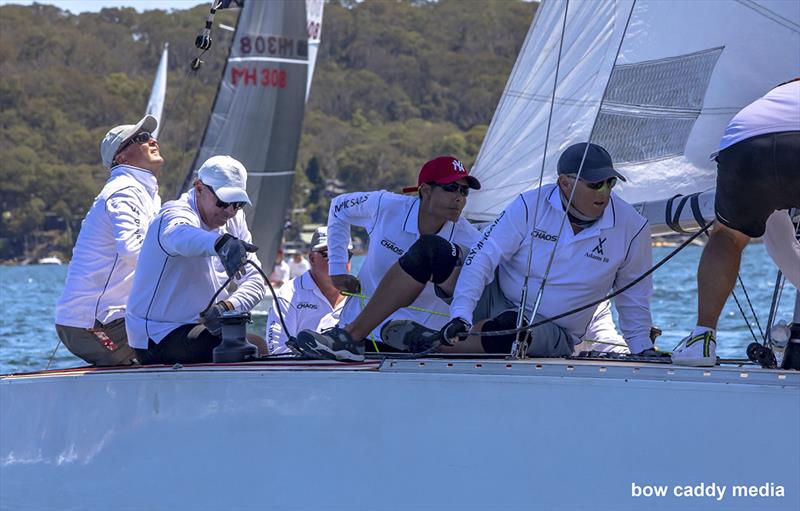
429	433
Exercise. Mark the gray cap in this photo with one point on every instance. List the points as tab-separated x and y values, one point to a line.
118	135
320	240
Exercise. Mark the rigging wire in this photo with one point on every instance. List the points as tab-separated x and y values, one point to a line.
515	353
520	346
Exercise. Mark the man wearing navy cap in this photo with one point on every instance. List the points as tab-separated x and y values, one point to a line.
406	234
604	245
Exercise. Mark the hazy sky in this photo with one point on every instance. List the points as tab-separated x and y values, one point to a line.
78	6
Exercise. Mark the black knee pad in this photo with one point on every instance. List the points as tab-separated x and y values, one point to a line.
506	320
430	259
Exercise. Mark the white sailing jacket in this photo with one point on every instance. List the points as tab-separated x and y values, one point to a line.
304	307
608	255
391	220
179	271
100	273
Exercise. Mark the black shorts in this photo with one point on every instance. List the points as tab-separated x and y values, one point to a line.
187	344
755	177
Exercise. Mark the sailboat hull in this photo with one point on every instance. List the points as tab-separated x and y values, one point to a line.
399	434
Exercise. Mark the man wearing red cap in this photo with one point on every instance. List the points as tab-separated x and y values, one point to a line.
406	234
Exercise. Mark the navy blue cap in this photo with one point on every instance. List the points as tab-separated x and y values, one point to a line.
596	167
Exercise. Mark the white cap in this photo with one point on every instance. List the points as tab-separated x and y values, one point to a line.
227	176
120	134
320	240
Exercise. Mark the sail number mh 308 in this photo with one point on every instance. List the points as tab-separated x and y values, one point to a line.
258	76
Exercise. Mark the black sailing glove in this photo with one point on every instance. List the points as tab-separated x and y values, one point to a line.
451	330
233	253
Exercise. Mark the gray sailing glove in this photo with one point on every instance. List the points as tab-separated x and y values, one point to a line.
212	318
233	253
451	330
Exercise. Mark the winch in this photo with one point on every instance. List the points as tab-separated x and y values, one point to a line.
234	346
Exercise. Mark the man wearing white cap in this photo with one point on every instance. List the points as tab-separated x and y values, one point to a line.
196	242
310	301
90	315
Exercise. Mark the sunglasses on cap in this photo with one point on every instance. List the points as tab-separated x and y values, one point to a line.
324	254
140	138
225	205
610	182
453	187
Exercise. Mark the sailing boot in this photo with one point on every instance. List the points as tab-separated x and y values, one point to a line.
698	350
334	344
410	336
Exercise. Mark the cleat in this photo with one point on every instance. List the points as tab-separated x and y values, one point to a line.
410	336
332	344
696	351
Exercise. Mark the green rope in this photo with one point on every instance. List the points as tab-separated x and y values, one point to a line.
419	309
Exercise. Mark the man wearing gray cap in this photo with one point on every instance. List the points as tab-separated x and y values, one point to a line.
90	315
195	244
310	301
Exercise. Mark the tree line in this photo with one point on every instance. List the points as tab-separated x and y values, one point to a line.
396	83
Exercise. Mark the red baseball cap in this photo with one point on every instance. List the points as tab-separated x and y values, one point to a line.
443	170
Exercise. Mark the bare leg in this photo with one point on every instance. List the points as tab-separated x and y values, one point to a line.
397	289
717	272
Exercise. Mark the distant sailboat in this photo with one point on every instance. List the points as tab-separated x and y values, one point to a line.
258	112
158	92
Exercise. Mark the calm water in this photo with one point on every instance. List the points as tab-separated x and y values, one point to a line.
28	295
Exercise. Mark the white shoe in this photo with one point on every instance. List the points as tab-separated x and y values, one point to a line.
696	350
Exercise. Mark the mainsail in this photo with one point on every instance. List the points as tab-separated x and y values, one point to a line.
258	112
654	82
155	105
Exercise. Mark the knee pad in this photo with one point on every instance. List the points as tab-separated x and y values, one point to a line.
506	320
431	259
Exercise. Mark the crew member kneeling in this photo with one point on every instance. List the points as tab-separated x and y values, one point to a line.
193	245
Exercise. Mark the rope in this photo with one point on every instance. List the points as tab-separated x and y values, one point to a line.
266	280
52	355
409	307
362	298
596	302
750	304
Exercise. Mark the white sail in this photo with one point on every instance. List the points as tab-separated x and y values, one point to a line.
155	105
314	10
654	82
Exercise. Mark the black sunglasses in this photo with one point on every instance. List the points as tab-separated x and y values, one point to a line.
140	138
225	205
324	254
611	182
453	187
